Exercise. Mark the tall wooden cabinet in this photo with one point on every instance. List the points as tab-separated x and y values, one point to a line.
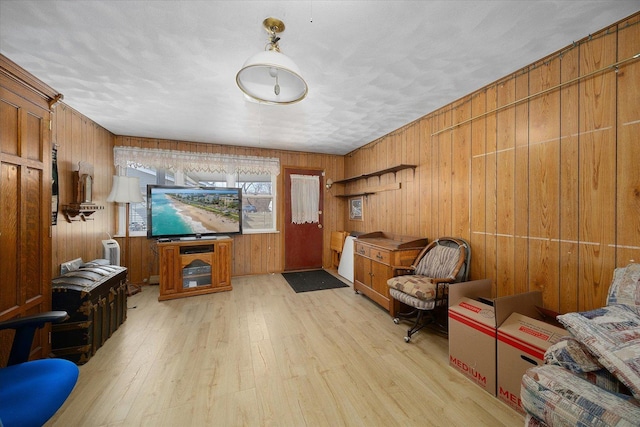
374	258
194	267
25	201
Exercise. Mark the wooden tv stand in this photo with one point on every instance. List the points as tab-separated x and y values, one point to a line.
194	267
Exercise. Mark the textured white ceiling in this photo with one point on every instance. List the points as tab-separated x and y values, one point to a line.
166	69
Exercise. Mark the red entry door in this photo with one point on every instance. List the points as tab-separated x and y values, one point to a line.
302	242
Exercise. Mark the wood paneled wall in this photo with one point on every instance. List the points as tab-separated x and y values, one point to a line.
539	171
78	139
252	253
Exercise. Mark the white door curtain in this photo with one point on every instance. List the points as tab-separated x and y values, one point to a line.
305	199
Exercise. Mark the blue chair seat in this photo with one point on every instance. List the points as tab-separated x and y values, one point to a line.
31	392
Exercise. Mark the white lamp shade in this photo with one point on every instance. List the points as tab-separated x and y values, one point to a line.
125	189
257	81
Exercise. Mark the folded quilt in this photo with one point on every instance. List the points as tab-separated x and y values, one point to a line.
555	396
531	421
625	287
612	334
571	354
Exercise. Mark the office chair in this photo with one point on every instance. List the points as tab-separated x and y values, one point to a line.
424	285
32	391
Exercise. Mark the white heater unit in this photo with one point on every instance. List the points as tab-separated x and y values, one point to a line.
111	251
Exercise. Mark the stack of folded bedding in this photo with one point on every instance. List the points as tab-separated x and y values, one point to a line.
592	378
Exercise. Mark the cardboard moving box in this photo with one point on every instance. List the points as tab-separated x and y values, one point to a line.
474	319
522	342
472	342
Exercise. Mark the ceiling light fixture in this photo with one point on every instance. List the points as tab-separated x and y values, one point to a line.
270	76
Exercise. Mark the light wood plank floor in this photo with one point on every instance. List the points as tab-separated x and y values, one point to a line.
262	355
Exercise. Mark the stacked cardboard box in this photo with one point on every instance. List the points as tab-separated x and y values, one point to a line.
472	341
522	342
493	341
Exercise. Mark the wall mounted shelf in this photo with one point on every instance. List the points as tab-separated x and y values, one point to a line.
379	173
393	170
83	210
365	194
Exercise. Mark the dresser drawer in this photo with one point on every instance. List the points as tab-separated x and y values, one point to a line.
379	255
362	250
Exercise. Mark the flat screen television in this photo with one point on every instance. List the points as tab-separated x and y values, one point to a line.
175	212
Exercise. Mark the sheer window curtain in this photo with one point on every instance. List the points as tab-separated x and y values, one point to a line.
305	199
184	161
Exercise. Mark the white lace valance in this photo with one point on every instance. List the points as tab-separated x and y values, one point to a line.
194	162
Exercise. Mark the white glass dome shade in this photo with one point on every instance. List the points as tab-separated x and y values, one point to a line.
272	77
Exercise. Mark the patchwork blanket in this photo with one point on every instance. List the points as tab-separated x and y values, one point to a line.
556	397
592	378
625	287
612	334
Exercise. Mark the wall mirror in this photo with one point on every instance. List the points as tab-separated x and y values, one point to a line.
83	183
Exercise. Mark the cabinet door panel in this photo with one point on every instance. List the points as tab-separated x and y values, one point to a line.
34	228
25	209
222	265
361	270
9	235
381	273
169	270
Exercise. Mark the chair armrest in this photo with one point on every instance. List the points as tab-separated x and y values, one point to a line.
37	320
25	328
445	280
442	291
405	269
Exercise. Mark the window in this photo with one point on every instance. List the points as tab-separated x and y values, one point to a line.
258	202
257	176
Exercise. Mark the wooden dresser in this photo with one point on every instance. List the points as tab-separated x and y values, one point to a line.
375	255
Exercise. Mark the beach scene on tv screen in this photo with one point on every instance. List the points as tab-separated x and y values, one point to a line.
198	211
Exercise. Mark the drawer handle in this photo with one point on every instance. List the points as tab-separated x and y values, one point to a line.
379	256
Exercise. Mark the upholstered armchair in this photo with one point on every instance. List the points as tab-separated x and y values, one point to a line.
424	285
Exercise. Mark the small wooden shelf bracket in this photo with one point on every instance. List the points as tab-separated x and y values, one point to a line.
80	210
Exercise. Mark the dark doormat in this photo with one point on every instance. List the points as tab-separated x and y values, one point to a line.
313	280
